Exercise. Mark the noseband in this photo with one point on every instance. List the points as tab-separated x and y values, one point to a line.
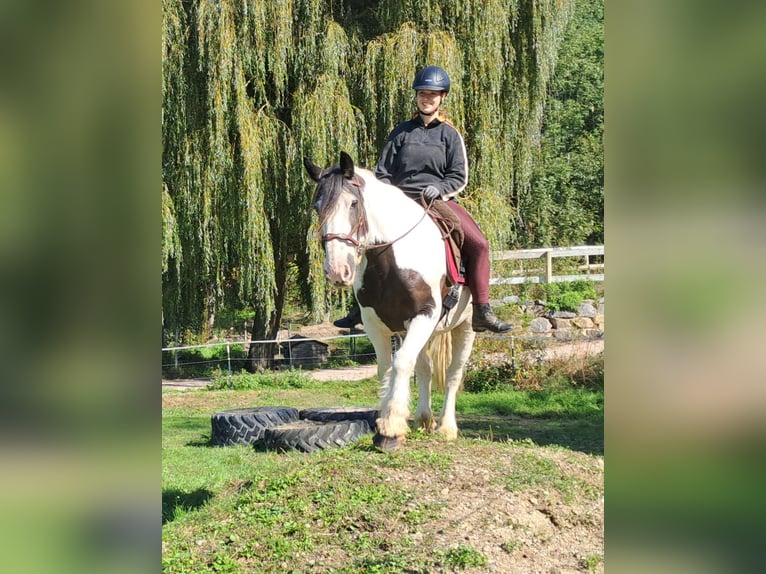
345	237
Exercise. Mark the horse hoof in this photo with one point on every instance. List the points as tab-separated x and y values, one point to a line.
387	443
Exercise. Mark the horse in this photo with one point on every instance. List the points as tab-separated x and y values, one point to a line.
385	245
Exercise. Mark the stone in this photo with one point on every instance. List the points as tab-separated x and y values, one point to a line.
559	323
564	315
564	334
586	310
533	309
599	320
540	325
583	323
510	300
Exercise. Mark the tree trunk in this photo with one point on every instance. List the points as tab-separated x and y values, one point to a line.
261	355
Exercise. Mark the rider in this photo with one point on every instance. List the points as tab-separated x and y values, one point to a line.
425	157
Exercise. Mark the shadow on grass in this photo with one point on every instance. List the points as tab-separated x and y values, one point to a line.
203	441
174	500
584	435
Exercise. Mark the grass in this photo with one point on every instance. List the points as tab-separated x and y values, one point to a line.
238	509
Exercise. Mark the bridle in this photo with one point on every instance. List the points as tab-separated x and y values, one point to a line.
360	246
347	237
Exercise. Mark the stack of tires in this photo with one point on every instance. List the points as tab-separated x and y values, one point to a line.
286	428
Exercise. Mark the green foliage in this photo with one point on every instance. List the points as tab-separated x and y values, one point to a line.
250	87
290	379
528	371
482	378
568	296
591	562
531	468
462	557
200	362
566	205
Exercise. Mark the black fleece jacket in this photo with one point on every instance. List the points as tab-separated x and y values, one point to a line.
416	156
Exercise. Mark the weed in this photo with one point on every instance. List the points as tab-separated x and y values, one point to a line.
222	563
568	296
530	470
590	563
290	379
462	557
484	378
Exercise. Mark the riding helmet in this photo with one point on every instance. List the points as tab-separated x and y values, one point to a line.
431	78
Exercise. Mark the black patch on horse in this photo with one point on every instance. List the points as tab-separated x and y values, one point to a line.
397	295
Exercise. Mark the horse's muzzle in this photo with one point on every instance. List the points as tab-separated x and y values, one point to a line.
340	275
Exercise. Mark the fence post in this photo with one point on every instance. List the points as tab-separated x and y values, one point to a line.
548	266
513	355
228	356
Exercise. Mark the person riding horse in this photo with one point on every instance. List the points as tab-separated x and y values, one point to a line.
426	158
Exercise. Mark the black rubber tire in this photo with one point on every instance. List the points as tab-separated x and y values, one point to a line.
332	414
312	436
247	426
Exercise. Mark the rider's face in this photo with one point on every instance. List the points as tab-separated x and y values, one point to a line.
428	101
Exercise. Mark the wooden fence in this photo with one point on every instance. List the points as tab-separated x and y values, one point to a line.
545	274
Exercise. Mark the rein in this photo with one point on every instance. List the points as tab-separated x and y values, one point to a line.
402	236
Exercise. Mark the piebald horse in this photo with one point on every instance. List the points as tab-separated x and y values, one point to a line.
385	245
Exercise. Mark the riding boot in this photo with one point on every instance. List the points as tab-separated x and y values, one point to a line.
353	318
484	318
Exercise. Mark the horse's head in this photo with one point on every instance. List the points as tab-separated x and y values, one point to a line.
342	218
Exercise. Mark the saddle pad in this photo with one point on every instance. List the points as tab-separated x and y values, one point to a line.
453	271
452	232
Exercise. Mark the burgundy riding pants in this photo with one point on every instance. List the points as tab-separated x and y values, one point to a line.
475	255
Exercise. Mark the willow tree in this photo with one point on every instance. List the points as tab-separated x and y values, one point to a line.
224	63
249	87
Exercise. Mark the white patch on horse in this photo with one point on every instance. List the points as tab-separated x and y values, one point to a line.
432	348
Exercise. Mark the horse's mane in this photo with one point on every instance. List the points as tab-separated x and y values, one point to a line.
328	189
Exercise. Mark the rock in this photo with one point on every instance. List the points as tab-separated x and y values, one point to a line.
583	323
540	325
599	320
559	323
510	299
564	315
586	310
564	334
533	309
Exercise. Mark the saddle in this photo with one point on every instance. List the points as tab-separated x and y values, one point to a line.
452	233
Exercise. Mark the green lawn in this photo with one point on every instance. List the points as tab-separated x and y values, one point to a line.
238	509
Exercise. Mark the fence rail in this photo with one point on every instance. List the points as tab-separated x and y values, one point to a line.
518	276
584	252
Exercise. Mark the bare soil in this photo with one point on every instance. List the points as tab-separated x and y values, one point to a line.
555	526
534	530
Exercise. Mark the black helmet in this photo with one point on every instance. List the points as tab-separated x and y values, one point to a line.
431	78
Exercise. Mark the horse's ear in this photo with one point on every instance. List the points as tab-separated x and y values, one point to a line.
314	170
346	165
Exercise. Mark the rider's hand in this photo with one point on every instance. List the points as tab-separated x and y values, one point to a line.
431	193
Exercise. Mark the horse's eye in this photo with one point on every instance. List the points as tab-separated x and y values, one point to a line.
354	204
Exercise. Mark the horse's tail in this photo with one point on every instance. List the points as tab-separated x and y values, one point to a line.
440	351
